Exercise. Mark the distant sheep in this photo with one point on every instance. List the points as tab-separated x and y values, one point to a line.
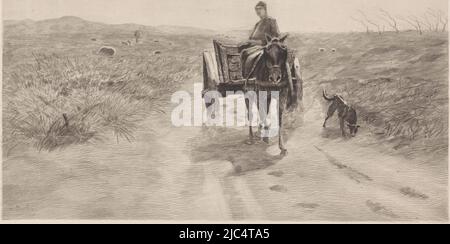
93	39
127	43
333	50
321	49
157	52
107	51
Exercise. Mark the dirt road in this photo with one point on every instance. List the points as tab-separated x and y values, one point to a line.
195	173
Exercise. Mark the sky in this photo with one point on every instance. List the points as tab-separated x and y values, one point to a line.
291	15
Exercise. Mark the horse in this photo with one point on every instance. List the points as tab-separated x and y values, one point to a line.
272	73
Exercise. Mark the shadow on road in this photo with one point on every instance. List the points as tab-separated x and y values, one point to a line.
332	133
226	144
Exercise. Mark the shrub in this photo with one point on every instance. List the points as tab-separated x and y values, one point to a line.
58	101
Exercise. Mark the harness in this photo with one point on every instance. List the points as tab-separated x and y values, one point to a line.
275	41
252	71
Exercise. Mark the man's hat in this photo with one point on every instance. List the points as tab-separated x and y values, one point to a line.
261	4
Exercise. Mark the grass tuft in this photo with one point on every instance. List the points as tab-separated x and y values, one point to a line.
56	101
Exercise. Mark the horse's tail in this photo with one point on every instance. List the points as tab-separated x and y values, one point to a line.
325	96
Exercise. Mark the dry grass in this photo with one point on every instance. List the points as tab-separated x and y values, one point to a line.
59	101
405	107
54	98
397	82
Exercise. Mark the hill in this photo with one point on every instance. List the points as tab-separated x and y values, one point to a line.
72	25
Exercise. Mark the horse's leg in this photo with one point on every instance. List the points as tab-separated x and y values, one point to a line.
259	133
266	126
281	106
250	118
342	126
263	113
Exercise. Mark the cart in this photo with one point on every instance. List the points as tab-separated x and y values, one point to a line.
222	72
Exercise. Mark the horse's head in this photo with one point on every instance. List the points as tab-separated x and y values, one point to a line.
275	57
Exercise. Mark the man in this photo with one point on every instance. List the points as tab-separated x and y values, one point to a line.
266	26
252	48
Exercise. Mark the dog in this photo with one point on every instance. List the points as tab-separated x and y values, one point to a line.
346	113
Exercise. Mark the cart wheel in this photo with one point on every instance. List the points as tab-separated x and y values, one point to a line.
210	75
212	104
295	101
210	81
297	118
299	80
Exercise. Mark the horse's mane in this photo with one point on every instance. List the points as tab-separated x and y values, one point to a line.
261	71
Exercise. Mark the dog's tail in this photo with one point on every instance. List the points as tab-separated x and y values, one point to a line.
325	96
